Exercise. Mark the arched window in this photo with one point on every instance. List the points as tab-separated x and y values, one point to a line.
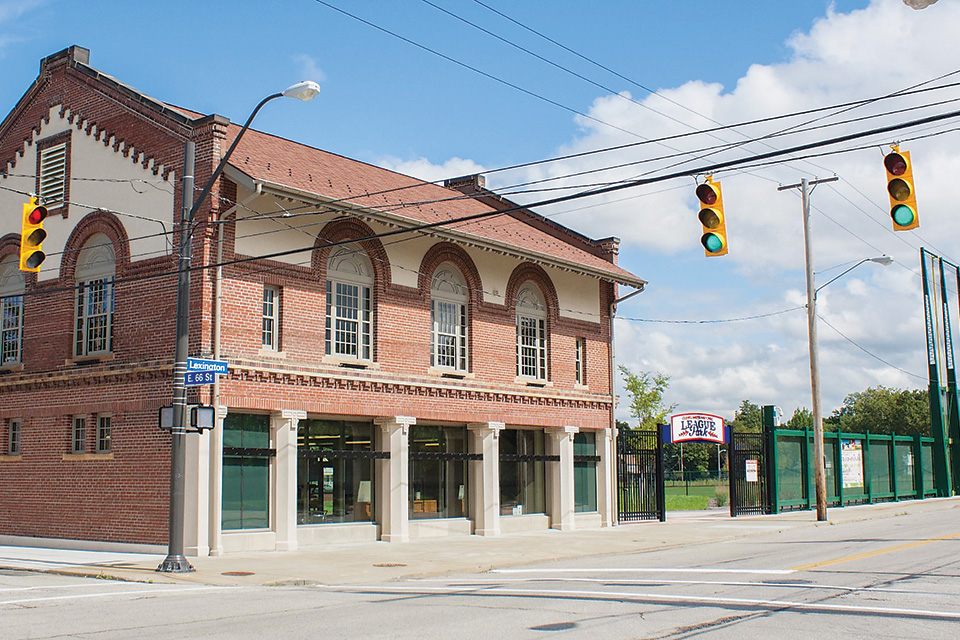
531	333
12	286
448	315
349	327
96	268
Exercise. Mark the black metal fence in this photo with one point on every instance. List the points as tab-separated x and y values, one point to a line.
640	483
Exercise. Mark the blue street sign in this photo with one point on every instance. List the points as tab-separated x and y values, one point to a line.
213	366
197	378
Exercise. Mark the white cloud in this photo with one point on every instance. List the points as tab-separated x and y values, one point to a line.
425	170
309	68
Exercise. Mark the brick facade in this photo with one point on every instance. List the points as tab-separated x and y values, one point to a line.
122	496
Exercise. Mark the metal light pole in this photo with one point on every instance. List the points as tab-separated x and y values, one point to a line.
176	562
819	473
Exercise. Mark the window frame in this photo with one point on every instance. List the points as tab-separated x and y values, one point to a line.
11	355
85	319
448	289
78	434
348	328
580	362
14	436
532	334
270	336
104	433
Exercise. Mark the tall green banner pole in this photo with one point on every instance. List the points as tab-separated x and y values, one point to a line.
954	426
940	473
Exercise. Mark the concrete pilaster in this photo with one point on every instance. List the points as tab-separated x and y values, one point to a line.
485	477
215	512
606	486
285	496
561	478
393	478
196	495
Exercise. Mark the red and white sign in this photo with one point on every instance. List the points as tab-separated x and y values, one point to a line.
696	427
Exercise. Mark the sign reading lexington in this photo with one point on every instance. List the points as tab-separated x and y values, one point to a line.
696	427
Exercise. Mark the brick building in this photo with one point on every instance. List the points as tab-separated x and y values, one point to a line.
453	381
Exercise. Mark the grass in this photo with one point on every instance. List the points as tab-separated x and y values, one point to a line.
687	503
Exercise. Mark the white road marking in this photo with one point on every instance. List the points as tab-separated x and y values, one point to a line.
777	572
80	596
666	599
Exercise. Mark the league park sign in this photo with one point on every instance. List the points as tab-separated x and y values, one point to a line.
697	427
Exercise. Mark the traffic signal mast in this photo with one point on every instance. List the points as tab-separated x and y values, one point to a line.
714	238
903	199
32	235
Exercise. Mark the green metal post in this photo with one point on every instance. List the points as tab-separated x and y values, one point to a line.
893	466
867	468
937	426
806	467
918	465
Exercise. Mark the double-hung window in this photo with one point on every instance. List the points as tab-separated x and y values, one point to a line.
270	328
531	334
11	313
96	267
78	435
104	434
349	317
580	362
13	437
448	313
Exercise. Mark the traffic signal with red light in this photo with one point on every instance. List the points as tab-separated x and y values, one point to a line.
32	235
714	238
903	199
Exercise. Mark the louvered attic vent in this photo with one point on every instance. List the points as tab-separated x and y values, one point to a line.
53	173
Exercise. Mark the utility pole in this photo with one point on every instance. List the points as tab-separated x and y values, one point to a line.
819	473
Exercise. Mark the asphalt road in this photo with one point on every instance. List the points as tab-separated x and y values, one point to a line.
889	578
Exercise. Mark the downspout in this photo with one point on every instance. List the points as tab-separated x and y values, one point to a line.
216	435
613	404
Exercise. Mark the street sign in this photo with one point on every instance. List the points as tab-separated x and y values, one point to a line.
201	364
201	371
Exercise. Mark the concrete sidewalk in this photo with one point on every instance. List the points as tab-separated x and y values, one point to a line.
382	561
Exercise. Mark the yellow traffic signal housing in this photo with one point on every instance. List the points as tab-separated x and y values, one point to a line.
32	235
903	198
714	238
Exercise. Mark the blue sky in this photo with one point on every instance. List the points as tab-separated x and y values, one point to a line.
392	103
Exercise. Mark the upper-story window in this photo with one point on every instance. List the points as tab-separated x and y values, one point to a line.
96	268
349	322
580	361
448	314
11	313
270	326
531	333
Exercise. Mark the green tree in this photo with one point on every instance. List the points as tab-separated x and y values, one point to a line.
747	418
802	418
646	396
883	410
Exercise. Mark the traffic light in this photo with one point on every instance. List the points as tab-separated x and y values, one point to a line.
714	238
32	235
903	198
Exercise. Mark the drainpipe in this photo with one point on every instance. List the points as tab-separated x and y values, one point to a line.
613	403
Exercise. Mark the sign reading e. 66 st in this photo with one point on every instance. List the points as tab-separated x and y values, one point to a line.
697	427
201	371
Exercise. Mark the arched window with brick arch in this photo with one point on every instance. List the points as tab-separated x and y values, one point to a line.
94	274
12	286
349	318
531	333
449	300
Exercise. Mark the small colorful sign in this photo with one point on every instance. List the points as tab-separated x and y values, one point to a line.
697	427
751	469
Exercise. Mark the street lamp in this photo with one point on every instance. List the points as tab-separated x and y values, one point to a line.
176	562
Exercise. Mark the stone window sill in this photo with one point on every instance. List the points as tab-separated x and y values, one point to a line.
11	457
451	373
533	382
350	363
103	357
78	457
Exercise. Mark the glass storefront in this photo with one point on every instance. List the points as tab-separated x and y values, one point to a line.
522	472
438	472
335	478
585	460
246	471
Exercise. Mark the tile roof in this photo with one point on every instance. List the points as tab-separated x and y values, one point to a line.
283	163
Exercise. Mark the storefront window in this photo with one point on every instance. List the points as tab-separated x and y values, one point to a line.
335	471
522	462
438	472
246	471
585	471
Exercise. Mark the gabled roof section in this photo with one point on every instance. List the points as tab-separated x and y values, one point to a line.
282	165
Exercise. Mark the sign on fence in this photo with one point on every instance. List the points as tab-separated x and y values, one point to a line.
697	427
851	463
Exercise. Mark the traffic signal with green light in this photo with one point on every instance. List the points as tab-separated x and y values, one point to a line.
32	235
714	238
903	198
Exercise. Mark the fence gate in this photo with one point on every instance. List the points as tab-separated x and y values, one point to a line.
640	476
750	470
